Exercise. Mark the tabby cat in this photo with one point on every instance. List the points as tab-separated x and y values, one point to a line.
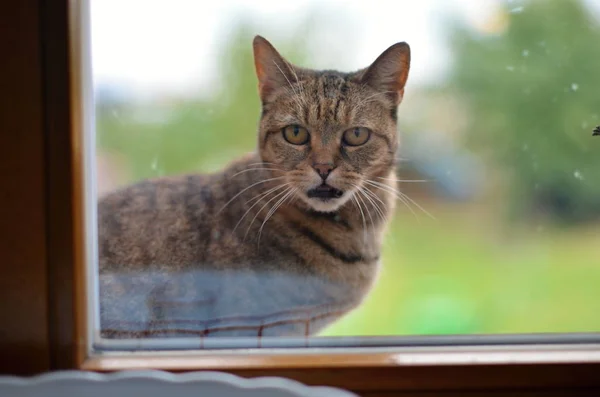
281	242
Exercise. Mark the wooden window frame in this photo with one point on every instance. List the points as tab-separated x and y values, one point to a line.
42	281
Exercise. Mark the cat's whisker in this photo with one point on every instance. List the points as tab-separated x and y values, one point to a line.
302	93
258	198
407	197
300	87
366	192
385	215
366	101
272	212
260	163
376	197
363	217
291	67
296	96
274	208
404	180
261	195
392	191
398	194
384	207
366	208
263	207
294	198
370	195
417	204
254	169
246	188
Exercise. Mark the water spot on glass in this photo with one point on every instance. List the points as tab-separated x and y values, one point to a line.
154	164
584	125
535	165
536	186
449	172
115	114
517	10
525	147
540	229
510	68
577	174
525	53
574	86
527	90
542	43
216	234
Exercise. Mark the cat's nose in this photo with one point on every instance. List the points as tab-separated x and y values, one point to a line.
323	169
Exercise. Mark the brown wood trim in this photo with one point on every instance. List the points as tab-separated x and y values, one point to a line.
538	369
488	393
349	357
370	373
80	63
64	38
59	170
61	45
23	296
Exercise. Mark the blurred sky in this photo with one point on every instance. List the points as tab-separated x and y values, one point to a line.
150	47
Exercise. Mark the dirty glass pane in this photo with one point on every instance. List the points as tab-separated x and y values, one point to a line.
476	213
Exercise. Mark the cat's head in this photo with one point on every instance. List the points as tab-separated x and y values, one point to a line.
329	132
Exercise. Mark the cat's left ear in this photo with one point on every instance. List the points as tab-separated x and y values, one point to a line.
389	72
272	70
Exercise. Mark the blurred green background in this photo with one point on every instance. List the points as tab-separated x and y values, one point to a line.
504	139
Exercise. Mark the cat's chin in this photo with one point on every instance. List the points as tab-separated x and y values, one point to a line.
328	204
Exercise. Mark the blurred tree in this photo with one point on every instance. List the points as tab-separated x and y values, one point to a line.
532	99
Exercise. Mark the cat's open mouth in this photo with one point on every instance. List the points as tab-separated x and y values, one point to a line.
324	191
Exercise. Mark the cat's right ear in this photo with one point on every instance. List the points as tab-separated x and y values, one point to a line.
272	70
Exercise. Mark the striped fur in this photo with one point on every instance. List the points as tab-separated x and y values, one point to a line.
255	218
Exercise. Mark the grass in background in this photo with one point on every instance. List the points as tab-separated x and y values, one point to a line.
460	275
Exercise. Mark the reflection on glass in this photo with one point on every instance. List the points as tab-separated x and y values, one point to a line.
495	176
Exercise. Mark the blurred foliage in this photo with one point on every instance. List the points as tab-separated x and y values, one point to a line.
532	100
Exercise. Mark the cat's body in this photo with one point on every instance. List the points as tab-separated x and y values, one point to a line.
279	242
305	260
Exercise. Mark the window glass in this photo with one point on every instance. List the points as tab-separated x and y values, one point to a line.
245	199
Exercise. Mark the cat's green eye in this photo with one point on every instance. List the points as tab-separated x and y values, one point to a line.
356	136
296	135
